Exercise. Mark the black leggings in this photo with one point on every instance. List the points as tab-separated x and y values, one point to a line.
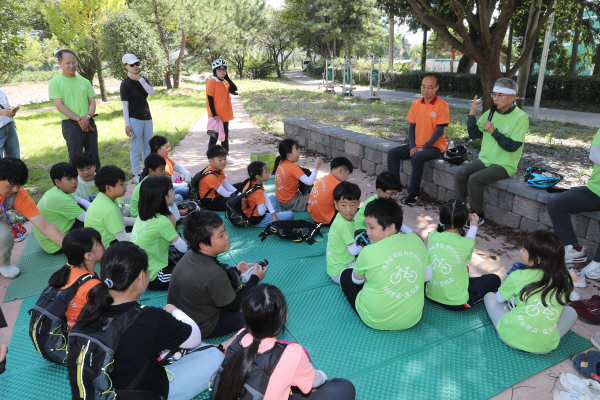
218	203
334	389
162	280
350	288
225	143
478	288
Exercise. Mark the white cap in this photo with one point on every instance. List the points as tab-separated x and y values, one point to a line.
129	59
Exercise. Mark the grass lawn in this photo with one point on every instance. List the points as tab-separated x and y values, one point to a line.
42	144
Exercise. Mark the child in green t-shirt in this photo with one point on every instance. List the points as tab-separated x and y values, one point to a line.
154	229
448	281
540	316
386	286
104	214
59	206
341	249
154	165
387	185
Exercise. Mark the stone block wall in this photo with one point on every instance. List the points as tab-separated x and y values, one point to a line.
510	202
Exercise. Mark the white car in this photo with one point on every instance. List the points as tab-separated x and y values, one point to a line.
305	64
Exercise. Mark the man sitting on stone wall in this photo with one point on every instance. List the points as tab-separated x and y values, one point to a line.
428	118
502	141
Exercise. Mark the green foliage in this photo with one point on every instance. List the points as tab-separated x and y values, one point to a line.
125	32
260	67
12	44
38	51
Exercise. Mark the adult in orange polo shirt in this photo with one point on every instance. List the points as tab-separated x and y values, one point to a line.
320	202
428	118
13	175
218	100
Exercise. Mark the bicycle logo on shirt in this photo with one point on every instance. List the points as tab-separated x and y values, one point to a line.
534	309
444	268
400	273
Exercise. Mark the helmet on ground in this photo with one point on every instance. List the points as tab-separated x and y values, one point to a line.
456	155
541	178
219	62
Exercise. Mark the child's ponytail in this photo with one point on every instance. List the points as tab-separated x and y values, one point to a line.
121	264
454	214
75	244
286	146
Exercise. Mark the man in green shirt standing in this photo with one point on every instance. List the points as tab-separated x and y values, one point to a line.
503	134
74	98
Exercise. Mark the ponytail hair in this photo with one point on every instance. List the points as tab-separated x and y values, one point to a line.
547	251
120	265
75	244
454	214
264	313
286	146
156	142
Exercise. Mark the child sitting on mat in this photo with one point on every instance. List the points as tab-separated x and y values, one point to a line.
83	250
160	145
540	316
265	313
214	189
387	185
154	229
450	285
154	165
104	214
59	206
261	208
341	249
288	176
320	200
386	286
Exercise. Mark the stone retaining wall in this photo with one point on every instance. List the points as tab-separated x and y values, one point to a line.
509	202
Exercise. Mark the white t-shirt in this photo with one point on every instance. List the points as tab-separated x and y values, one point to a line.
4	103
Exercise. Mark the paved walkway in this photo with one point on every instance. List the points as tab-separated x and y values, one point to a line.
491	255
550	114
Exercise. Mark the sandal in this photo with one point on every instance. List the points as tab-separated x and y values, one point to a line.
587	364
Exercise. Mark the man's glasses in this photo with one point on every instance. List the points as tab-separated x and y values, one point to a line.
498	96
428	87
136	64
68	64
222	69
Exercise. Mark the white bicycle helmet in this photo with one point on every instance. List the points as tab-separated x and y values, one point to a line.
219	62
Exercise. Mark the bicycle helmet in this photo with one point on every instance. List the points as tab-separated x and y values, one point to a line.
456	155
541	178
219	62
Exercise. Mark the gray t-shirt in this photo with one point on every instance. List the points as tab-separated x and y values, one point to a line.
200	287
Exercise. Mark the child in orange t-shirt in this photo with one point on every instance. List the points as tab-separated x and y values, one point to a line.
83	248
214	189
260	208
218	100
320	203
288	176
160	145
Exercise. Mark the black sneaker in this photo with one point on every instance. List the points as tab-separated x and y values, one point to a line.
411	200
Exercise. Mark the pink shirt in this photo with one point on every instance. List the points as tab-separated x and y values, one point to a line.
293	369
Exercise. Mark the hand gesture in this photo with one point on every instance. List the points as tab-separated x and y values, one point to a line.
243	267
7	112
217	118
474	218
183	212
172	219
129	132
474	104
84	123
170	308
413	151
318	162
260	270
135	77
488	127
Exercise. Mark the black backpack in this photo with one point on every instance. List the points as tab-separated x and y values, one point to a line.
234	212
90	360
262	369
194	185
48	324
297	231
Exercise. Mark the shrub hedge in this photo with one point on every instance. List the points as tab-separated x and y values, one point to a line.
571	89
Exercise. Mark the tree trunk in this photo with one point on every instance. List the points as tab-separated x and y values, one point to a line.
575	47
490	72
510	40
163	42
348	51
98	62
532	21
276	60
464	65
177	74
453	52
424	55
86	66
597	63
391	45
334	49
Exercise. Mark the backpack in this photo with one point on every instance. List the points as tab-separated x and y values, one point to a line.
91	356
234	212
195	185
262	369
296	231
48	325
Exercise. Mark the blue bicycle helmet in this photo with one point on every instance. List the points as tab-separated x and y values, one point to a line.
541	178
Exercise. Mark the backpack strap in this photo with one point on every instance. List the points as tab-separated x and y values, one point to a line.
199	176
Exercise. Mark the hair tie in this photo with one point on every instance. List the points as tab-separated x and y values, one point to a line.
69	265
256	340
109	283
441	224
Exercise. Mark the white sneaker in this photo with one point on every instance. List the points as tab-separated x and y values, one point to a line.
574	296
579	386
592	270
596	340
229	160
560	395
574	256
10	272
578	279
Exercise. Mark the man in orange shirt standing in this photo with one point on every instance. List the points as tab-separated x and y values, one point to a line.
13	175
428	118
321	206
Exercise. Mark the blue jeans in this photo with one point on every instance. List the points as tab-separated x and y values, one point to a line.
191	375
9	141
183	191
281	215
142	133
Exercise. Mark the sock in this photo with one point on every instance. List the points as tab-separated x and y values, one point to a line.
577	247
